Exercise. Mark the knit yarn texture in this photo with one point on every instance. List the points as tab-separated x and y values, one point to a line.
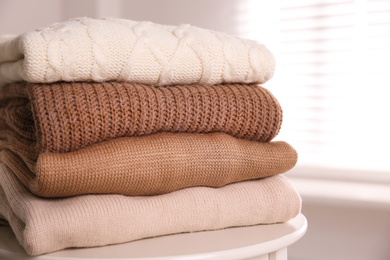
151	165
64	117
46	225
86	49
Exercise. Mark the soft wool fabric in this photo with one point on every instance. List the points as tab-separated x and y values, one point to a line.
86	49
69	116
46	225
150	165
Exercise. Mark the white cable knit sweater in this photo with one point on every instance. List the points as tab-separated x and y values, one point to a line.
86	49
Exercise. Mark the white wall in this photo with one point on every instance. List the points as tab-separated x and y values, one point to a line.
343	232
25	15
217	14
17	16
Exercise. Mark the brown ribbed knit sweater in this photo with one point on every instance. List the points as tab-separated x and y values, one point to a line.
64	117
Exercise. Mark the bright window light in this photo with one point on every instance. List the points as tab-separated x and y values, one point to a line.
332	79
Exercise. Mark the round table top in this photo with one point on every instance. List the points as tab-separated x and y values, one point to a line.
230	243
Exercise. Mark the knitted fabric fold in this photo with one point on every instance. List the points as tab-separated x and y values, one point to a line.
150	165
46	225
63	117
86	49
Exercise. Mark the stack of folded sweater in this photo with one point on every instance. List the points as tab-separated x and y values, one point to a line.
113	130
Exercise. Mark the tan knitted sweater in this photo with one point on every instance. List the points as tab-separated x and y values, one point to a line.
46	225
150	165
64	117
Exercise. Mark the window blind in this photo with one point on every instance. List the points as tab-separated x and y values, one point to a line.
332	80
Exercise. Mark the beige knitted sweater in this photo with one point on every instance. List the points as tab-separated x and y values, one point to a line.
86	49
46	225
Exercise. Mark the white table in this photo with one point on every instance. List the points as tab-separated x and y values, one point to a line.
262	242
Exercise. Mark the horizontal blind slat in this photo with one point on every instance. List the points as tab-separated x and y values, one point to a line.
331	80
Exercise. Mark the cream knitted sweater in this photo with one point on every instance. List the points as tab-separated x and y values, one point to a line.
86	49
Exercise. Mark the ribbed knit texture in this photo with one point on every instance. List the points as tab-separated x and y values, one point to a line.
46	225
153	164
69	116
86	49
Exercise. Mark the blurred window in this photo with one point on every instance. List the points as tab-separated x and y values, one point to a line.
333	82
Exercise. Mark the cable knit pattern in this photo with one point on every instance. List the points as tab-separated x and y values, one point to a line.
69	116
46	225
150	165
86	49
